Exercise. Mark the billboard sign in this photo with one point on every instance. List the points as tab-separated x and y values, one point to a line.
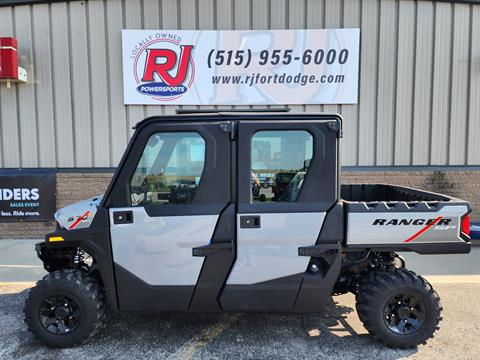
240	67
27	195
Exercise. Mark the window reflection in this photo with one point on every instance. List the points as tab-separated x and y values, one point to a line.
169	170
280	160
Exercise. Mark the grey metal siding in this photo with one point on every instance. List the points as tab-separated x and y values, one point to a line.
419	91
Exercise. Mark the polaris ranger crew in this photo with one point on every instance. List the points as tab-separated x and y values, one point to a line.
182	227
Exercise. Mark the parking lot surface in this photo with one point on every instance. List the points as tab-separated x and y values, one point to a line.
335	334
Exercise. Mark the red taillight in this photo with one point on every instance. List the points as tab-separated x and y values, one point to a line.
466	225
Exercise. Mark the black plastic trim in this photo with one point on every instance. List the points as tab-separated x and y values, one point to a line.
317	288
214	111
218	263
274	295
457	247
333	227
138	296
183	210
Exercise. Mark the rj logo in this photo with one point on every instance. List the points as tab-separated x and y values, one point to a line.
163	69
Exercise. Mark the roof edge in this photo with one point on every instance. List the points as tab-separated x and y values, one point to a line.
37	2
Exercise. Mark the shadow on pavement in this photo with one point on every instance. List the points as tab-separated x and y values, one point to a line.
251	335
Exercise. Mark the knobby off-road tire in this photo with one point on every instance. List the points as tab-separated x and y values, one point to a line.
398	307
65	308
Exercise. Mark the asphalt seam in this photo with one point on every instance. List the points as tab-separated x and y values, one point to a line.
210	333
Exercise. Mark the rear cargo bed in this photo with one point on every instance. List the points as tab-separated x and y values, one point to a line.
402	218
387	193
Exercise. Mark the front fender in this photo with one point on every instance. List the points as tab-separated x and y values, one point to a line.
60	246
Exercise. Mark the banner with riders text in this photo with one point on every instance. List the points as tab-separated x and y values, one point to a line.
27	194
241	67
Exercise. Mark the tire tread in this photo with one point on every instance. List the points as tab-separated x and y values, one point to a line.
378	282
89	288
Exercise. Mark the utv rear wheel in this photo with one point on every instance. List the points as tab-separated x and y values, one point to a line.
398	307
65	308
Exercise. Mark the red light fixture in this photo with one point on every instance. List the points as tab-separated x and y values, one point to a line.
9	69
466	225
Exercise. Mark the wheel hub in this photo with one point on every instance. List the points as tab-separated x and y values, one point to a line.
59	314
404	314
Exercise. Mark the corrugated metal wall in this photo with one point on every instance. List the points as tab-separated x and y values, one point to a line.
419	95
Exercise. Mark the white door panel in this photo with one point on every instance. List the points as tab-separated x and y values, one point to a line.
158	250
271	251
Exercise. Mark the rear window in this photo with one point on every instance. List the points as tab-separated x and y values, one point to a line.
279	163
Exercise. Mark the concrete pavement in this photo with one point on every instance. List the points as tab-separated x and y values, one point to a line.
337	334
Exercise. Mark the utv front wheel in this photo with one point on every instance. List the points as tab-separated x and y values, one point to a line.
65	308
398	307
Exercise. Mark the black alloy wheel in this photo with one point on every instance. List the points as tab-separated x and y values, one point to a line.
404	314
59	314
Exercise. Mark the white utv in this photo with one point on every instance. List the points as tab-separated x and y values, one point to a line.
185	226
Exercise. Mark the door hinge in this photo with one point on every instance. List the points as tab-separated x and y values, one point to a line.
336	126
229	127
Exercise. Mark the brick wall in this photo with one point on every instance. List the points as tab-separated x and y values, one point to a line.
73	187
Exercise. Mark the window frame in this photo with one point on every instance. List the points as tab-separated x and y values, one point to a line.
320	188
214	191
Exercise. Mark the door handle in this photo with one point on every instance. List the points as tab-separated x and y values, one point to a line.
316	250
211	249
250	222
123	217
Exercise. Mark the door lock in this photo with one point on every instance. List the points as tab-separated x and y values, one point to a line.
123	217
250	222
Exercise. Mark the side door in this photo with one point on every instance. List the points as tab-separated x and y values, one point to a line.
165	203
287	180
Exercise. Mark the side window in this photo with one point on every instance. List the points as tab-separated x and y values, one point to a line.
280	161
169	170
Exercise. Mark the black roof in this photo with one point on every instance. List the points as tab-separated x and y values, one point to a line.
211	115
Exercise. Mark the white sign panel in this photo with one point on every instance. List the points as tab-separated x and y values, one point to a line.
267	67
